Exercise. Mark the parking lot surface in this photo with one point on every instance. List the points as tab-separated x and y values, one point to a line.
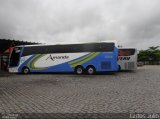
122	92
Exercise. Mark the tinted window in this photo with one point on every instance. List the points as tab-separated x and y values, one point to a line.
69	48
126	52
15	56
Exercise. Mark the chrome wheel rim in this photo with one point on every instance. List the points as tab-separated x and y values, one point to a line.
26	70
90	70
79	70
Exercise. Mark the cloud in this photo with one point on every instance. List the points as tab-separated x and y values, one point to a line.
129	22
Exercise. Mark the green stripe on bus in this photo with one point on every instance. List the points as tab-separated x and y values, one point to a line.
29	63
33	63
86	60
80	59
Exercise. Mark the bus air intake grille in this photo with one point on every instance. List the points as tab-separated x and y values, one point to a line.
106	65
129	65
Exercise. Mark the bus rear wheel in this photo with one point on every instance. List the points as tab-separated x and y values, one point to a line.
79	70
119	68
91	70
25	70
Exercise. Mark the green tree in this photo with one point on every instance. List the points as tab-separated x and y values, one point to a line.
152	54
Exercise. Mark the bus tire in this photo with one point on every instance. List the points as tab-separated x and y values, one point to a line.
25	70
79	70
119	68
91	70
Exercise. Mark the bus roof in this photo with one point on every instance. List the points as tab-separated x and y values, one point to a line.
127	48
63	44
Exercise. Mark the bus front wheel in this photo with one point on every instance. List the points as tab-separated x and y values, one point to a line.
91	70
25	70
79	70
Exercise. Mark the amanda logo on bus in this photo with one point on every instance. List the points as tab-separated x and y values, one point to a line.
56	57
123	58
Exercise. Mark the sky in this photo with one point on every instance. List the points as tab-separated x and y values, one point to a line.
132	23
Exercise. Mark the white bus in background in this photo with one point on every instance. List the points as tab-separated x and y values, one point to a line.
127	58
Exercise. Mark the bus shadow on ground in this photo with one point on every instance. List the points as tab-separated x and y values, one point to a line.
128	72
70	73
6	73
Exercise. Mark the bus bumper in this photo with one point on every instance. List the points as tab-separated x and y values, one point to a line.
13	69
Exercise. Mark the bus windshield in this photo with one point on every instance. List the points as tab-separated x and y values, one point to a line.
14	59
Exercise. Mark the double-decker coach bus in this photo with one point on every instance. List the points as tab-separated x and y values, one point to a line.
78	58
127	58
